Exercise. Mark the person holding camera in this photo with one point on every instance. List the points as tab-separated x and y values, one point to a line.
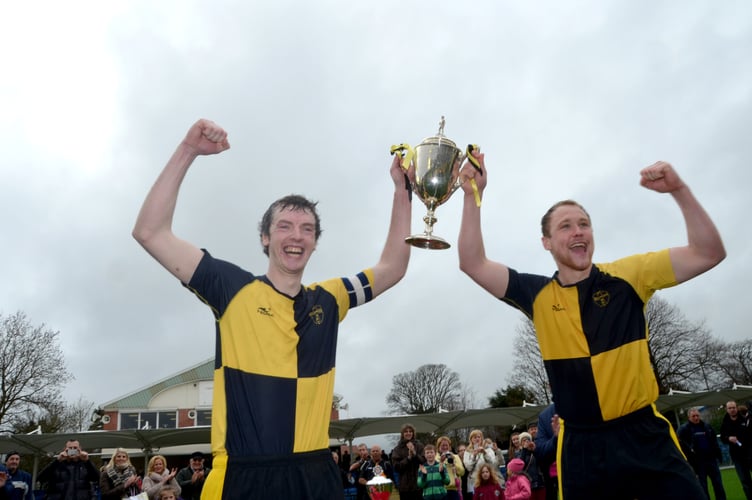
71	475
476	455
364	455
453	465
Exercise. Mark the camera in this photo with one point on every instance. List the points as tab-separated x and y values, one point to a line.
72	452
449	458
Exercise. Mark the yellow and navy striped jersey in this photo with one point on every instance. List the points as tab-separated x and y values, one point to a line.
593	335
275	357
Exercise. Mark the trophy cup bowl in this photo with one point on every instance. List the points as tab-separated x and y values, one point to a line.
437	163
379	488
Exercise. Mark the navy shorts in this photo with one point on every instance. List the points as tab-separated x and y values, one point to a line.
302	476
634	456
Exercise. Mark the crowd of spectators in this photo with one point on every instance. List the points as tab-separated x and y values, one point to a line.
475	470
72	475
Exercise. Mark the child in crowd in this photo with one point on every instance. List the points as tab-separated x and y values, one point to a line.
432	476
487	484
518	484
167	493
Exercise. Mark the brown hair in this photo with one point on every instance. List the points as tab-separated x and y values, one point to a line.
546	219
494	479
292	202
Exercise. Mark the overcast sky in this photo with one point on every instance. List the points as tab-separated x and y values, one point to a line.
567	100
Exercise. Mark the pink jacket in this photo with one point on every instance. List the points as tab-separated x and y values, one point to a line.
518	487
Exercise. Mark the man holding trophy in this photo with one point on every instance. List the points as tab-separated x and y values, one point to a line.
276	338
592	332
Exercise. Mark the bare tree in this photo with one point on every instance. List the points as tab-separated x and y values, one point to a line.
735	362
528	371
468	398
32	369
683	353
425	390
684	356
337	401
78	416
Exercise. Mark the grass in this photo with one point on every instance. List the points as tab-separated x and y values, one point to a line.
731	485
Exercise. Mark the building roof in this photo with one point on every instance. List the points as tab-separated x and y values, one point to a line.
140	398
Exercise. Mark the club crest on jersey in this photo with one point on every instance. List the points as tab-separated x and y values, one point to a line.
317	315
601	298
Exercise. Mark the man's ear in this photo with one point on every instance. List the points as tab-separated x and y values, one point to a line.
546	241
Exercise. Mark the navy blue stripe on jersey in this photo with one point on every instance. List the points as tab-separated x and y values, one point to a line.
222	291
269	424
317	322
604	329
575	376
358	289
526	297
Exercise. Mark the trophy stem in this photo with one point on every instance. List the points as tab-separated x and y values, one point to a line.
427	239
430	219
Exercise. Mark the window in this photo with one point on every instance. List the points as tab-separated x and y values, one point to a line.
203	417
168	419
129	420
149	420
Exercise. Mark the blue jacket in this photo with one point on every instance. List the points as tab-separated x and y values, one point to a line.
20	476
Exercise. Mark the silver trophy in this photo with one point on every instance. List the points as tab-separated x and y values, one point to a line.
437	163
379	487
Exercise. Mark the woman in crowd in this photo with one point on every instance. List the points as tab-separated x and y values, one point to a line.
476	455
158	476
119	478
406	458
453	465
527	455
514	445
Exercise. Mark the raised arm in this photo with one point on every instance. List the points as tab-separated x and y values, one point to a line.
492	276
153	228
704	249
396	254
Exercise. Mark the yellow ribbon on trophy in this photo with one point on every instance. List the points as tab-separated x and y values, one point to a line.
406	152
475	163
407	157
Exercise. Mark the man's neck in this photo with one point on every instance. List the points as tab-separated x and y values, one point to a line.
285	283
568	276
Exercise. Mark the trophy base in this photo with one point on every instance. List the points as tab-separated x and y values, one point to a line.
427	241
